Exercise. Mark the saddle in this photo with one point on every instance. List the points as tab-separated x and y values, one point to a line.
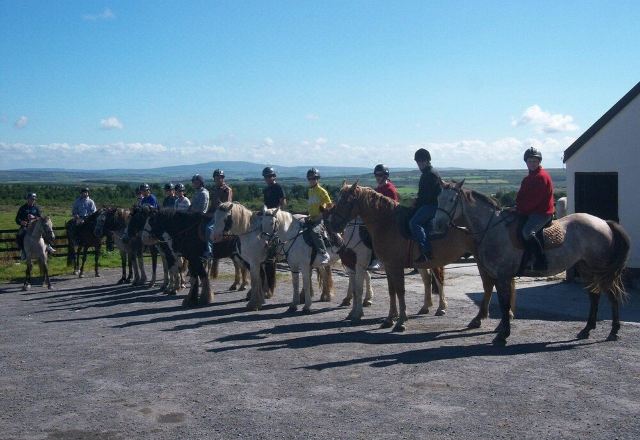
401	216
551	235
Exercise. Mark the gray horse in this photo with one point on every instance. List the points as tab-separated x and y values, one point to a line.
599	247
38	231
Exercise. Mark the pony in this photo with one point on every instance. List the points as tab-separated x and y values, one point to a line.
39	231
599	247
82	236
353	242
232	218
114	221
180	232
286	230
397	252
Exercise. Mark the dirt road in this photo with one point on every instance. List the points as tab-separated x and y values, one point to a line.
98	361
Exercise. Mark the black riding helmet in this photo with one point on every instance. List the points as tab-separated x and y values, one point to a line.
145	187
218	172
179	187
168	186
85	189
422	155
31	196
313	173
381	169
199	178
532	152
268	172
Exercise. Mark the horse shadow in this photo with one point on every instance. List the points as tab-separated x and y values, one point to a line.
562	301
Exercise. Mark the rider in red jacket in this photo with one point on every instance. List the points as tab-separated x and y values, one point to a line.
535	200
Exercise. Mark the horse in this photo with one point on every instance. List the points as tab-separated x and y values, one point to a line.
232	218
114	221
288	230
227	249
131	237
397	252
181	232
353	242
38	231
82	236
599	247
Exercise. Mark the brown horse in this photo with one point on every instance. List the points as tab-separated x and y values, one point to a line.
396	252
82	236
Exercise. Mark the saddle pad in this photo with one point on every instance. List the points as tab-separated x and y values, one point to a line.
552	235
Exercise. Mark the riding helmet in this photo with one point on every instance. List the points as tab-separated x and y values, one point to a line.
268	172
31	196
168	186
218	172
85	189
145	187
199	178
422	155
532	152
313	173
381	169
179	187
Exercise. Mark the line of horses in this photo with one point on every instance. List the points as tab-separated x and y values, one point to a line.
467	222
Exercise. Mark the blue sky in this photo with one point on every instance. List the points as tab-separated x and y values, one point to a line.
136	84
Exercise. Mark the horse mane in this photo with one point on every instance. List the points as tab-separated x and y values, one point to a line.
473	196
241	215
370	198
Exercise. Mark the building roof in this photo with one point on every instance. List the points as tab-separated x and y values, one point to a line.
604	120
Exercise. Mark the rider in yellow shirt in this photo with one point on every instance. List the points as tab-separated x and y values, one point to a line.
317	196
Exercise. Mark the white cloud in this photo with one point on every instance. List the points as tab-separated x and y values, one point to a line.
312	117
106	14
21	122
111	123
268	141
545	122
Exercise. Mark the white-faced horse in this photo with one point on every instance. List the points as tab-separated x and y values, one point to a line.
232	218
38	231
288	230
599	247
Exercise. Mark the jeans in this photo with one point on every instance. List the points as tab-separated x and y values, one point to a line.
208	230
420	225
316	236
534	223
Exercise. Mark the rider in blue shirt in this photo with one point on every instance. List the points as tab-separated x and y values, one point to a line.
148	199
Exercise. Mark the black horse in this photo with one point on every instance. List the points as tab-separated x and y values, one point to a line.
82	236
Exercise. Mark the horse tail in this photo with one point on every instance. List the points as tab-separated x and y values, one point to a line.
270	272
437	280
327	285
609	277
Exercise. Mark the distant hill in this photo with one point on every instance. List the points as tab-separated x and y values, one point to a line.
235	170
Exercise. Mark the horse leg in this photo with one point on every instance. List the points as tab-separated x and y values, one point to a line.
27	275
192	297
487	287
347	299
236	275
358	280
401	324
295	283
593	316
84	260
426	276
206	296
165	287
437	279
45	272
257	296
123	265
244	272
154	264
368	296
615	317
503	286
307	279
393	308
96	257
327	283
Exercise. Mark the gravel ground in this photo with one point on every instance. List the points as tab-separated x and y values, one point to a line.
92	360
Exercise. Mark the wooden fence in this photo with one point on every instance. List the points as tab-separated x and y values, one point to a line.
9	248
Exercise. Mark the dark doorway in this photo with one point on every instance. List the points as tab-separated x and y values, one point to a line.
597	194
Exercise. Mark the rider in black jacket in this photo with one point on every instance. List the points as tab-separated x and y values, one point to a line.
426	204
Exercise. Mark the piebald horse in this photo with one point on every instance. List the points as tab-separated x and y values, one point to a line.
38	231
396	252
599	247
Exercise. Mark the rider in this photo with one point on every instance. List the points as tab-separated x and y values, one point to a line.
535	201
385	186
139	196
273	194
27	212
426	204
170	196
82	208
148	199
318	196
200	201
221	193
182	203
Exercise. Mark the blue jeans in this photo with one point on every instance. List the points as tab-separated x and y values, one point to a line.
534	223
420	225
208	230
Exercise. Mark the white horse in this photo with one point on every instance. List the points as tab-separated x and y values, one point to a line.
360	277
35	249
288	230
232	218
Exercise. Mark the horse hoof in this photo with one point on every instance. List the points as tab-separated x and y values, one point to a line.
325	298
441	312
499	341
306	311
612	337
49	287
399	328
423	311
475	323
76	272
242	287
81	275
26	287
387	323
233	287
584	334
367	303
189	303
121	281
98	275
292	309
345	302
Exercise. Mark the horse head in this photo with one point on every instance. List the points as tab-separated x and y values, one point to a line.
47	229
223	220
269	224
345	208
449	206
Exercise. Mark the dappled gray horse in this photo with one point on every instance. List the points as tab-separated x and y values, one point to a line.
38	232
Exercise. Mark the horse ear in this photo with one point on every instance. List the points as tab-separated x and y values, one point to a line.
276	211
459	184
344	182
355	184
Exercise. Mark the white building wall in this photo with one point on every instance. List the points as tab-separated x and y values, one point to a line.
615	148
